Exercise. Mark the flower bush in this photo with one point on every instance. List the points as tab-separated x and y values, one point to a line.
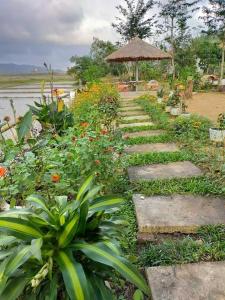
194	127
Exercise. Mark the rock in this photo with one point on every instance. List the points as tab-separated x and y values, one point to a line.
157	147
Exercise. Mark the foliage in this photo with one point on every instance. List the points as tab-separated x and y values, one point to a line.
76	241
195	127
207	245
133	21
174	98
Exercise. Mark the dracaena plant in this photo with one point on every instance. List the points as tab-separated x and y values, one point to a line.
62	249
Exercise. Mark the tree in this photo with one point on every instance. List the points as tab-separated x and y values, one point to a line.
207	51
214	18
134	20
176	14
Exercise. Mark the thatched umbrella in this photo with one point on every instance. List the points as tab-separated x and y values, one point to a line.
137	50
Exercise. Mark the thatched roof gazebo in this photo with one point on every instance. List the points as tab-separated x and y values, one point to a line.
137	50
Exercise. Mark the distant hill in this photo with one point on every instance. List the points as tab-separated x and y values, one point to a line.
14	69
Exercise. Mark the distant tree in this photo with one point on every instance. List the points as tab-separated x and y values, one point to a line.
134	20
214	18
175	15
92	67
206	49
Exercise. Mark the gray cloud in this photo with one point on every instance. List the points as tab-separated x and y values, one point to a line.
33	31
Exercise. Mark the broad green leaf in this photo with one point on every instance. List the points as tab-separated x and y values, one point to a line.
100	253
17	260
73	276
39	202
105	203
85	187
5	253
25	125
7	240
83	218
14	288
99	291
52	294
19	228
91	193
69	230
138	295
35	248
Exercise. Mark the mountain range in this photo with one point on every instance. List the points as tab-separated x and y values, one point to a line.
14	69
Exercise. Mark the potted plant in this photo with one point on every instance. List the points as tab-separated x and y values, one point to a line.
217	134
160	94
183	109
169	102
175	103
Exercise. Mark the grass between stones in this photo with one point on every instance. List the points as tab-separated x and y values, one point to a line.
197	185
163	138
155	158
207	245
141	128
122	121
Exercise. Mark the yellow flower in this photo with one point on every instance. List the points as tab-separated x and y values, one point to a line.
60	105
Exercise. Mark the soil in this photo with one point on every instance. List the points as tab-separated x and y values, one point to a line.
207	104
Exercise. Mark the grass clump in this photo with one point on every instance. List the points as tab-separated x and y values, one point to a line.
202	185
208	245
157	157
162	138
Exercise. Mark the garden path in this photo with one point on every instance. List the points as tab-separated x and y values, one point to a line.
172	215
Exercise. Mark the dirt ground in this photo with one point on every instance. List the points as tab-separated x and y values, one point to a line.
207	104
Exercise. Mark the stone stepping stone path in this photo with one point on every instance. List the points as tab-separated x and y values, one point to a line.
132	113
157	147
145	133
198	281
136	124
172	170
136	118
178	213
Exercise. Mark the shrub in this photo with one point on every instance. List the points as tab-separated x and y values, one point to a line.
194	127
58	249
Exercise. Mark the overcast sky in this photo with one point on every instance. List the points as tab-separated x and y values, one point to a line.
34	31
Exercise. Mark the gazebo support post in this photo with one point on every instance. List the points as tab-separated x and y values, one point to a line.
137	74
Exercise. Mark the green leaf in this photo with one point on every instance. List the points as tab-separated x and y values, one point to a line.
99	291
138	295
83	218
14	288
19	228
69	231
7	240
36	248
25	125
39	202
52	292
105	203
17	260
102	254
85	187
73	276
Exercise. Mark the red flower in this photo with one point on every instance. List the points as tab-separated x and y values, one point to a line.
91	139
3	171
97	162
55	178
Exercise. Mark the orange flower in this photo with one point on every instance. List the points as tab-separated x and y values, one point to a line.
97	162
55	178
84	124
91	139
3	171
104	131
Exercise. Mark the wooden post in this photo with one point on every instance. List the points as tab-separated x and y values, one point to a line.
137	75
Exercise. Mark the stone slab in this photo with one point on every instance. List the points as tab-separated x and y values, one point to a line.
136	124
145	133
132	113
182	169
130	108
138	118
198	281
177	213
156	147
